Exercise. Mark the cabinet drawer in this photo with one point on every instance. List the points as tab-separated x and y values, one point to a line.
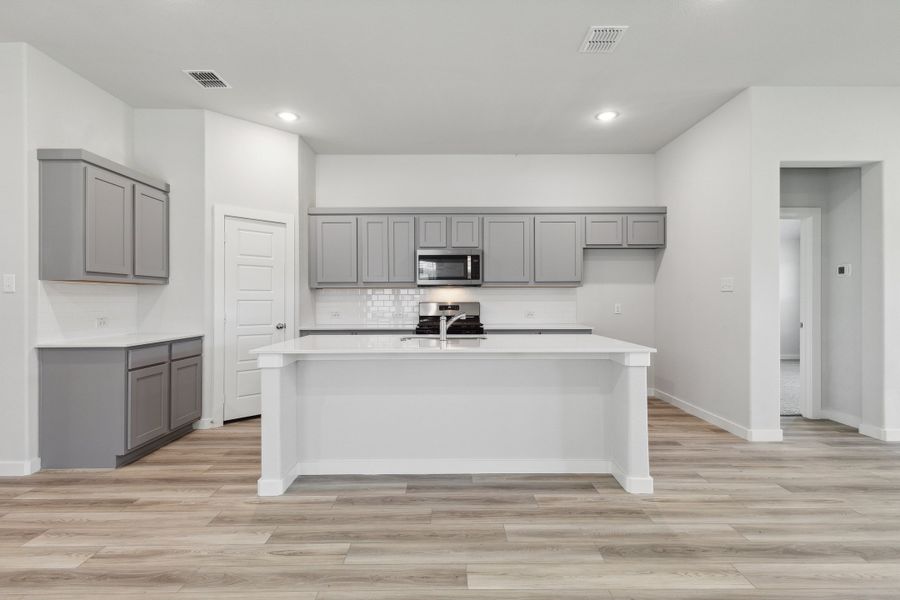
149	355
187	348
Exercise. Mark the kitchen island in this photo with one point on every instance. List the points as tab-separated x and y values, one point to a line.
349	404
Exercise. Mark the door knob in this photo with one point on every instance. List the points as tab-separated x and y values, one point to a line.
280	326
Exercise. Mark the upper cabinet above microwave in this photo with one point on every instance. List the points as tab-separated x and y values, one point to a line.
448	231
101	221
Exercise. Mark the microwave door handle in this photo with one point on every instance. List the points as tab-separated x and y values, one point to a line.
469	267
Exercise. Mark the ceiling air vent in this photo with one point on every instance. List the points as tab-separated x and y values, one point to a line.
602	39
207	79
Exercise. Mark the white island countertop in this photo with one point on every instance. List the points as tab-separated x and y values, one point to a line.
374	345
125	340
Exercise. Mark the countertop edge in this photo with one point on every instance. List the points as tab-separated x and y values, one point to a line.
123	341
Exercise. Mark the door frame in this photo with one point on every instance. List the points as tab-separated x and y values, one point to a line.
222	212
810	308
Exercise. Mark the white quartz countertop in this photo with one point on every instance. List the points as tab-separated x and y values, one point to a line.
126	340
548	344
412	326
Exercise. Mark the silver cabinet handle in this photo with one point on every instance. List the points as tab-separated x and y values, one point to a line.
280	326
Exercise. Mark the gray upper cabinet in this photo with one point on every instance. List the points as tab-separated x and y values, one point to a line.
151	232
148	404
108	219
402	249
647	231
605	230
508	254
101	221
335	257
558	248
432	231
373	249
186	390
465	231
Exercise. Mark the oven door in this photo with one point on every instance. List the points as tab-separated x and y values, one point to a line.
448	267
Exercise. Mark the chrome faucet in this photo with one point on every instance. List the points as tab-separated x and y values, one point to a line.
445	324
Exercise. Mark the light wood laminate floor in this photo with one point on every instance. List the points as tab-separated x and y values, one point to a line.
817	516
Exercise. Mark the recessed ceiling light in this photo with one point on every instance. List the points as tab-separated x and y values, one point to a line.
288	116
607	116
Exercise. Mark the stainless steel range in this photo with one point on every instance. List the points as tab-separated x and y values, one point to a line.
430	314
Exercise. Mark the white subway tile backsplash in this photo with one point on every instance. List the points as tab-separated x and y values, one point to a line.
67	310
401	306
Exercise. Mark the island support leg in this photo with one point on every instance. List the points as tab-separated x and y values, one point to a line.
279	429
627	430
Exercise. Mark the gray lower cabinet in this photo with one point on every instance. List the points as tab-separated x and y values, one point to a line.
465	231
508	253
105	407
558	248
605	230
645	230
148	404
186	391
335	257
432	231
101	221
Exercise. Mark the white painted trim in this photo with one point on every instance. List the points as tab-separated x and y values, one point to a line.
752	435
790	357
221	212
429	466
631	484
205	424
810	308
880	433
839	417
276	487
18	468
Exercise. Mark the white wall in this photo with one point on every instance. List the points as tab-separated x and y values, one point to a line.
702	334
789	288
485	180
837	193
307	191
799	126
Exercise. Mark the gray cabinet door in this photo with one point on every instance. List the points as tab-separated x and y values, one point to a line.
186	391
108	222
432	231
465	231
646	230
148	404
336	259
605	230
151	232
373	250
558	248
402	249
508	255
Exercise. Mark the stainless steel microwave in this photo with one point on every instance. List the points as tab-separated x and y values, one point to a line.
448	267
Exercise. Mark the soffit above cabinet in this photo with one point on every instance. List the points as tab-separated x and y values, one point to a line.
488	210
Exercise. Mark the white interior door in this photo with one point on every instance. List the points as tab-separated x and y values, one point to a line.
255	306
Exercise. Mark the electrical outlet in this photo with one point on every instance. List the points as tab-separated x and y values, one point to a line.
101	322
617	308
726	284
335	314
9	283
529	314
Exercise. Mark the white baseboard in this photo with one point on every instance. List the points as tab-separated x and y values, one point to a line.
18	468
839	417
752	435
632	485
206	424
880	433
390	466
276	487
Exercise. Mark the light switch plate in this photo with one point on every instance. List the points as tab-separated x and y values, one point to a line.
9	283
844	270
726	284
617	308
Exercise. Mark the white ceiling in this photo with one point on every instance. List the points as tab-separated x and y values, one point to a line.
463	76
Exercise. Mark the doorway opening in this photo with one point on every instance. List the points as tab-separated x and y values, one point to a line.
791	323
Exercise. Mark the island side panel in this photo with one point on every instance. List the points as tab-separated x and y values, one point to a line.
626	424
279	424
